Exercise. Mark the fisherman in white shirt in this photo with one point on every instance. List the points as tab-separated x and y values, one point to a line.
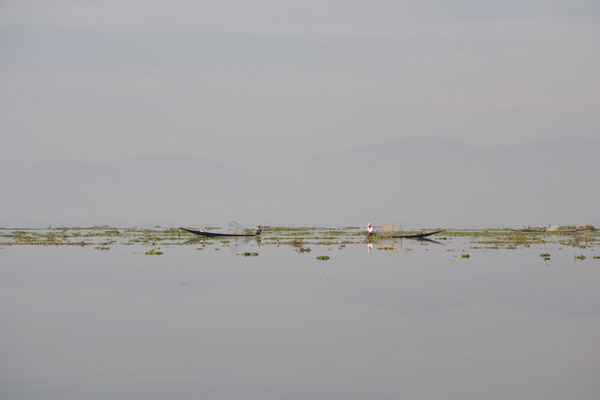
369	229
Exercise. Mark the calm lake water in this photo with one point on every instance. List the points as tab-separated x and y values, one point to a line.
415	322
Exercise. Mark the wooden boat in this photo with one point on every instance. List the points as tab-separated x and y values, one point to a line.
216	234
419	235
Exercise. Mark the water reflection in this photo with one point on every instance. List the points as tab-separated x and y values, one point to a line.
427	240
202	324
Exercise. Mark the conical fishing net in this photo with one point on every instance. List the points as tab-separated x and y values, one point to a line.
389	229
237	229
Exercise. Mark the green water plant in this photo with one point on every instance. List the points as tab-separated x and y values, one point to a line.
154	252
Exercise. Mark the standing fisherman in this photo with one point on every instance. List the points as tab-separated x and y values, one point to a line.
369	229
257	231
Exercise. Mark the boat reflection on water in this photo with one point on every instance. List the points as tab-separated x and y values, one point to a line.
427	240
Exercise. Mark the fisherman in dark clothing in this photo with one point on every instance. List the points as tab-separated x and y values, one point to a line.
258	231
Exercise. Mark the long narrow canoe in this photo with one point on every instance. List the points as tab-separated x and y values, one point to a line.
215	234
413	235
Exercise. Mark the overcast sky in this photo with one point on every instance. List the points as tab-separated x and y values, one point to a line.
103	80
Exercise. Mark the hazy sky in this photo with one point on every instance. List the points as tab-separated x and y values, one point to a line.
102	80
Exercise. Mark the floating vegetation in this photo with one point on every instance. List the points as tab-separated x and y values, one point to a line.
580	257
154	252
335	233
247	254
302	239
324	258
300	233
580	241
325	243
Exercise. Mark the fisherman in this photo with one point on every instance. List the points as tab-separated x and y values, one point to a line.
369	229
258	231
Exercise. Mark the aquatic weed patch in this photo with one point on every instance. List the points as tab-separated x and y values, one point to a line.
387	248
154	252
300	238
580	241
503	239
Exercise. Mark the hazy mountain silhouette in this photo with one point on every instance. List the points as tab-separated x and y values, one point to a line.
424	182
435	182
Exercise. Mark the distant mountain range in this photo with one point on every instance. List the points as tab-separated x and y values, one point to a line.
423	182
